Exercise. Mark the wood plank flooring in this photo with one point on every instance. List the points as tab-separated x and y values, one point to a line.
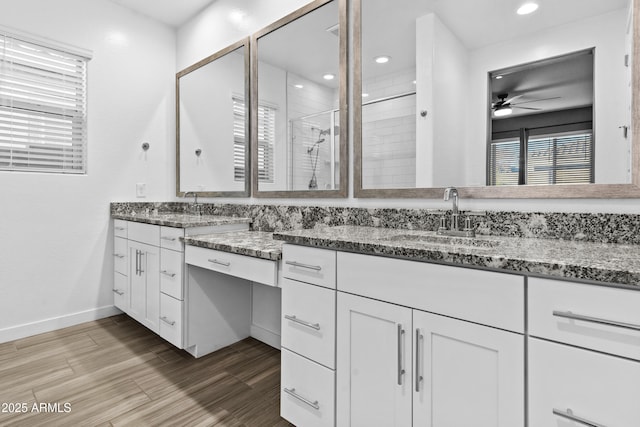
115	372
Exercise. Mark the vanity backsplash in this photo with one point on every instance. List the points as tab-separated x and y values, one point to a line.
593	227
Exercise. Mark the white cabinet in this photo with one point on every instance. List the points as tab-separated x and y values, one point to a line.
144	284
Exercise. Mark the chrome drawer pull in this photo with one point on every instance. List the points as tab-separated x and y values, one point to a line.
166	273
224	263
315	326
167	321
419	377
570	315
171	239
401	370
120	228
301	265
118	291
118	256
569	415
292	392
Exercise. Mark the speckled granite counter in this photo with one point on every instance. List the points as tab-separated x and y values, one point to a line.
602	262
259	244
180	220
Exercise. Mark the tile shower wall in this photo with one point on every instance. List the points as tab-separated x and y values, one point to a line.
389	131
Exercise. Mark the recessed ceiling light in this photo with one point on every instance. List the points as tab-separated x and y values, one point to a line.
329	76
364	95
498	77
527	8
298	86
383	59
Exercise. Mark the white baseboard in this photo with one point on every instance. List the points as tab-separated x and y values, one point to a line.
22	331
265	336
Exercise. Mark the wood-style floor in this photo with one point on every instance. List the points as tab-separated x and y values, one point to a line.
115	372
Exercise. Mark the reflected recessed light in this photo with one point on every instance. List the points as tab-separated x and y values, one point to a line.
414	82
298	86
364	95
527	8
329	76
383	59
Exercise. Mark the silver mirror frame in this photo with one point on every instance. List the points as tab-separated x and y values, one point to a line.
247	183
557	191
343	191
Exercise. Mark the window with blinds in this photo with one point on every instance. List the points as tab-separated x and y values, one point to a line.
42	108
266	141
551	159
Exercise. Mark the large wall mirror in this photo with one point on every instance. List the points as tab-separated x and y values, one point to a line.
212	125
494	99
299	110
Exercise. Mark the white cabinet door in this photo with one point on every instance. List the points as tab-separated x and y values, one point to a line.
144	275
466	374
373	363
564	382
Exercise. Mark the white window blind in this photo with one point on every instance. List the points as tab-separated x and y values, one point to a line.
42	108
553	159
266	141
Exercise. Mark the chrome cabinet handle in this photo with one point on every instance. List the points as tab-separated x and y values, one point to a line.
301	265
167	321
137	262
120	228
166	273
570	315
419	377
224	263
315	326
141	260
171	239
292	392
118	291
401	370
118	256
568	414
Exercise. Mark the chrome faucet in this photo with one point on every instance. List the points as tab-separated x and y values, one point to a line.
451	193
193	208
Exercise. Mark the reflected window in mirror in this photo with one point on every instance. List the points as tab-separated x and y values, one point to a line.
299	66
212	132
541	121
421	95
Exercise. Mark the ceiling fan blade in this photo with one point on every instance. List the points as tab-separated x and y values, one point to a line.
537	100
526	108
508	101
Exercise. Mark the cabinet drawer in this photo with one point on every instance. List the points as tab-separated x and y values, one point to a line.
120	264
120	228
596	387
144	233
310	265
171	273
610	314
307	392
255	269
170	238
121	291
171	320
308	324
488	298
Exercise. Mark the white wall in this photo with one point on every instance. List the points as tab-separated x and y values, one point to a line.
56	247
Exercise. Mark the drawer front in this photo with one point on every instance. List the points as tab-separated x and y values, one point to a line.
121	291
308	323
598	388
611	313
488	298
144	233
171	320
120	228
246	267
171	273
307	392
309	265
170	238
120	258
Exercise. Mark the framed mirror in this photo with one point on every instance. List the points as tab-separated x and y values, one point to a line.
212	125
299	104
499	103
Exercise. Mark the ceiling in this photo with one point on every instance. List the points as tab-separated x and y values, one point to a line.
171	12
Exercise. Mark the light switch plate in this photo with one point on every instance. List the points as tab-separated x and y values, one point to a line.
141	189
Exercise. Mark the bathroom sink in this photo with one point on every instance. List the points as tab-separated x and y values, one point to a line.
436	239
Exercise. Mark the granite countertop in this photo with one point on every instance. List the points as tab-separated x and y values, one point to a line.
603	262
180	220
259	244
